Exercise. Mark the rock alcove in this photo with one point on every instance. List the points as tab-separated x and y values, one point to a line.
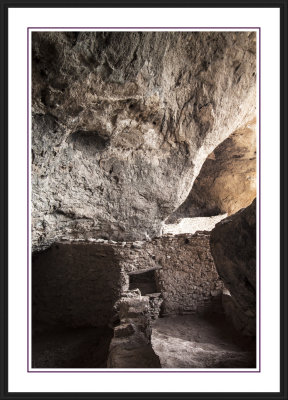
142	142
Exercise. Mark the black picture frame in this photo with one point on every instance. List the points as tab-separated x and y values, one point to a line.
4	227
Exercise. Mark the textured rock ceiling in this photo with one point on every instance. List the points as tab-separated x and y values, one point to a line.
123	121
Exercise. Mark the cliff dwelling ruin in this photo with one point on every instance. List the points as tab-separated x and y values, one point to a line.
143	173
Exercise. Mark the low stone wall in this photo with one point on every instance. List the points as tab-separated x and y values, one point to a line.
184	270
77	284
131	345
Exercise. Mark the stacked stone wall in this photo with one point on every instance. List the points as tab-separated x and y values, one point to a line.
77	284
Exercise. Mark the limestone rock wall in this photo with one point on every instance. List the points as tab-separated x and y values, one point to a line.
233	246
242	320
123	121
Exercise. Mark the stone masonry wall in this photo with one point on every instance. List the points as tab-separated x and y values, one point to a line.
74	285
188	279
185	271
131	345
77	284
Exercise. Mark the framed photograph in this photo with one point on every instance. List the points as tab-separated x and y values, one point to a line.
143	207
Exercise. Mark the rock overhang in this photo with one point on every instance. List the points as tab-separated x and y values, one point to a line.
122	123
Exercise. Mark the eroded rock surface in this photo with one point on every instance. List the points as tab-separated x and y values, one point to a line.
194	341
123	121
233	246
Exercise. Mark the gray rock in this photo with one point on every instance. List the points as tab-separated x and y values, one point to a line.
131	346
123	121
233	246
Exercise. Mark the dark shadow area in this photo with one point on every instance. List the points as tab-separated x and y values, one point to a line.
144	281
72	348
74	285
88	142
74	288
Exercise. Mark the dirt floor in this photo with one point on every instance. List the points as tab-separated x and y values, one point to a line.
193	341
189	341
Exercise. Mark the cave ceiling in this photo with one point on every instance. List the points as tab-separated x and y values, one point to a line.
122	123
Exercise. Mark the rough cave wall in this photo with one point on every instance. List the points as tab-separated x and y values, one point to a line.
74	285
123	121
233	246
77	284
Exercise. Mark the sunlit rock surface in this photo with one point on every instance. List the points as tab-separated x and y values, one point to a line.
192	225
227	180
